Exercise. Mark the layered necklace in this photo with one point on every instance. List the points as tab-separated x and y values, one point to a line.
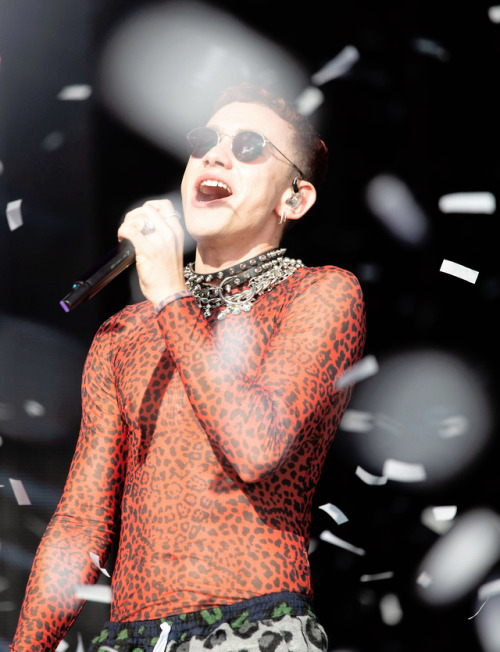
251	278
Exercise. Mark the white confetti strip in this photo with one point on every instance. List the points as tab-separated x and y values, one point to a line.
357	421
366	367
80	647
374	577
468	202
337	66
337	514
369	478
329	537
445	512
62	647
403	471
14	215
439	519
75	92
93	592
96	562
19	492
460	271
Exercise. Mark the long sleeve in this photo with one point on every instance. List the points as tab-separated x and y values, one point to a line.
84	520
256	418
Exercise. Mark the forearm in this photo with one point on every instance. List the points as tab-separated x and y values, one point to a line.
62	561
257	409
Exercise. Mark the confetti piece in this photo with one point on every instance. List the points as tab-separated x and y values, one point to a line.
468	202
366	367
454	426
462	557
309	100
329	537
75	92
478	611
34	408
439	519
455	269
337	514
369	478
357	421
62	647
445	512
424	579
431	48
337	66
376	576
19	492
80	647
14	215
93	592
392	201
96	562
494	14
390	609
313	544
403	471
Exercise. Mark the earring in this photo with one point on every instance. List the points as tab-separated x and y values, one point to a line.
282	217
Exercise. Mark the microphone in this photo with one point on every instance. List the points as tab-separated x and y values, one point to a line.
100	275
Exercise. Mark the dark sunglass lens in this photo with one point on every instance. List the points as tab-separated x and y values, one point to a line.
202	140
247	146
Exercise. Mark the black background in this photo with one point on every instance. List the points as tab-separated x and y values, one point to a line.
427	114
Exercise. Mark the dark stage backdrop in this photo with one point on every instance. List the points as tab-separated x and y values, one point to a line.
95	99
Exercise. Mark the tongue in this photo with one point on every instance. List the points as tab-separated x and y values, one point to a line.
213	192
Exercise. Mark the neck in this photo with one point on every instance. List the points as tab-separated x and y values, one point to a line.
209	260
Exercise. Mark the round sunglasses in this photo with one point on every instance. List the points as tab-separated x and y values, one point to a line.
246	146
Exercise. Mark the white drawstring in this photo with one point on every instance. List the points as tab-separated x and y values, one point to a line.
161	644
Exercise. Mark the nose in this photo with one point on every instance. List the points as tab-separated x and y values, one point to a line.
220	154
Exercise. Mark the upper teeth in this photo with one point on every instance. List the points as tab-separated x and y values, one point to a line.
214	183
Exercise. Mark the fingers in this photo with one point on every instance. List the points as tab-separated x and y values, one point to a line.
158	238
158	215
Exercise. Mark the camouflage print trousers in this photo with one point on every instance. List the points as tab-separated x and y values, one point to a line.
281	622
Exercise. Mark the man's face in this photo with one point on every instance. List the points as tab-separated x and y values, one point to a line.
245	210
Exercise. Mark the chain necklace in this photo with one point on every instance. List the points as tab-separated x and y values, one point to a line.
252	277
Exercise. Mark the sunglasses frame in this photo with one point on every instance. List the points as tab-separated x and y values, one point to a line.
245	131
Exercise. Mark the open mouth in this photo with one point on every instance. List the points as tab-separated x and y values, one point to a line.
212	190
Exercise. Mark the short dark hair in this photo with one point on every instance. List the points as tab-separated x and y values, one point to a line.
310	148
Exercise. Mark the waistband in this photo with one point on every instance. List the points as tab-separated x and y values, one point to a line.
273	606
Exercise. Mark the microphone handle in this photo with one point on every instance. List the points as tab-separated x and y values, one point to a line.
100	275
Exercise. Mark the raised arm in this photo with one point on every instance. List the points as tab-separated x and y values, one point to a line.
257	418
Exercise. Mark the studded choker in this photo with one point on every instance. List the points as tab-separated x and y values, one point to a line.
240	284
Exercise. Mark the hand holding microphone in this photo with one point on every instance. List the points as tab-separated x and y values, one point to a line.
150	235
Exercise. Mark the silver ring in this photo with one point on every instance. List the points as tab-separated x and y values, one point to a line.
173	214
148	227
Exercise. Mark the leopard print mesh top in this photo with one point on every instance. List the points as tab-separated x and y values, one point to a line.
203	441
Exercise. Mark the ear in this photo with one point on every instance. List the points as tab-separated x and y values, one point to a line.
295	205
